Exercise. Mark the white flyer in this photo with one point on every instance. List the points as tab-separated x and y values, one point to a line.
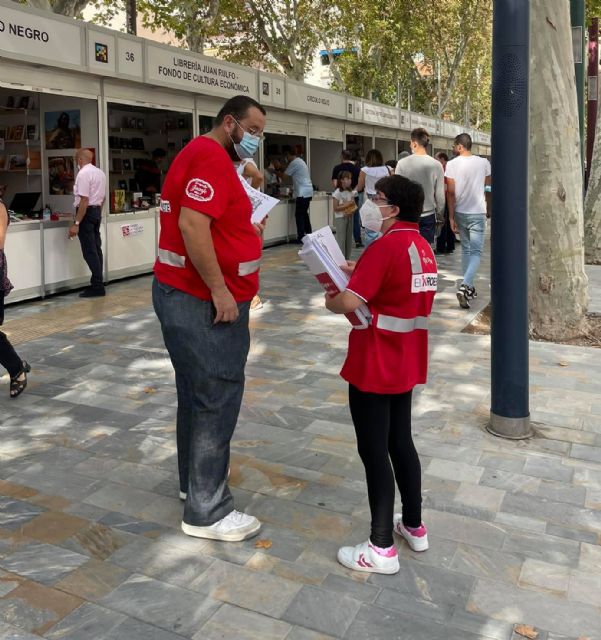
261	203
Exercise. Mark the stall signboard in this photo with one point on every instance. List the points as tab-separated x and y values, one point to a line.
452	130
167	66
102	52
305	98
405	120
354	109
35	37
272	91
375	113
130	58
427	122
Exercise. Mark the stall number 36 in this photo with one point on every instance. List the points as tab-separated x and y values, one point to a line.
129	56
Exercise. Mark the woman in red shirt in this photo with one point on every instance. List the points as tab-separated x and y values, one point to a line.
396	277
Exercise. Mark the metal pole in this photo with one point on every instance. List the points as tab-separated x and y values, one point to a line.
593	93
577	20
510	413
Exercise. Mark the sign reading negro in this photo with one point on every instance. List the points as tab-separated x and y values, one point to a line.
26	35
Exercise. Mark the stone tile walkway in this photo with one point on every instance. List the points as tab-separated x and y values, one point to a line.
90	546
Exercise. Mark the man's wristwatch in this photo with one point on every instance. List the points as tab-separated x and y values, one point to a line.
76	223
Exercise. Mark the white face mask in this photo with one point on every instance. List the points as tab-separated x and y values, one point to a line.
371	217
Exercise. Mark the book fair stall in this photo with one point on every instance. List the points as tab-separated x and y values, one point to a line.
135	104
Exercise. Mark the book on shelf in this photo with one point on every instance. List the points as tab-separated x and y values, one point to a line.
17	162
35	160
2	162
117	164
16	132
32	132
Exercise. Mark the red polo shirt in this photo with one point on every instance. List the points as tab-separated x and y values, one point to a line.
203	178
396	276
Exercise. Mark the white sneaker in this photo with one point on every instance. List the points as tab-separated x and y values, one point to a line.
417	538
364	557
234	527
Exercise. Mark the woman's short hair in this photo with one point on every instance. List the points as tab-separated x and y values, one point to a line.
374	158
406	194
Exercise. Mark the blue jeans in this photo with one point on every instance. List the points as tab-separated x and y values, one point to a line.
471	228
209	363
427	227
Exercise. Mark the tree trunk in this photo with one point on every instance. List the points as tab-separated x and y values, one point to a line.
558	289
592	205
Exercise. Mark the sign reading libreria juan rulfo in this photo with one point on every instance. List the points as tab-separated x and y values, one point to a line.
170	67
25	35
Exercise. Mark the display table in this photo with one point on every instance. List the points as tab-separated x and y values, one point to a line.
132	240
64	266
281	225
24	255
43	260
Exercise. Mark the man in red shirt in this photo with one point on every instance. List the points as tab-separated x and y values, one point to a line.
396	277
206	274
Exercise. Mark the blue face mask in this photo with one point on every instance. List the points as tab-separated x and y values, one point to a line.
248	146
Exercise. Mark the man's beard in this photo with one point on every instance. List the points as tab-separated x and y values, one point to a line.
231	151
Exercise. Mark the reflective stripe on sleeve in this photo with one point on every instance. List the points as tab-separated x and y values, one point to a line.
171	258
246	268
401	325
416	261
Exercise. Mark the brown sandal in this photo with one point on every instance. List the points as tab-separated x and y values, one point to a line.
18	386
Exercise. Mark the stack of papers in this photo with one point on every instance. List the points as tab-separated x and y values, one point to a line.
323	256
261	203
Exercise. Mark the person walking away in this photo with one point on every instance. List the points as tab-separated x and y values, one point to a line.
373	170
396	277
206	274
249	171
298	170
344	210
148	175
347	164
445	243
428	172
90	192
467	176
9	359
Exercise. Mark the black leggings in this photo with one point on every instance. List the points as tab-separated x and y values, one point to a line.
383	427
8	356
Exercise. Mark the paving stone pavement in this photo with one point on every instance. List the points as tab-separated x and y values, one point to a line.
90	546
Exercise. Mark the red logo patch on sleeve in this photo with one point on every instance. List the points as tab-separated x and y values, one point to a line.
199	190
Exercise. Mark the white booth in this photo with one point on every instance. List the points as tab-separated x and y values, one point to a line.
78	85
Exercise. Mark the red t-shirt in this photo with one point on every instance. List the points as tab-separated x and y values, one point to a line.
396	276
203	178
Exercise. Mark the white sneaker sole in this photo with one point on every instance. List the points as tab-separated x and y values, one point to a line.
233	536
355	567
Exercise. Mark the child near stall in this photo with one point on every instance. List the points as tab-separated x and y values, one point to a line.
344	209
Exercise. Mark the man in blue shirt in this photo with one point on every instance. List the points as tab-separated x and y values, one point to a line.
298	170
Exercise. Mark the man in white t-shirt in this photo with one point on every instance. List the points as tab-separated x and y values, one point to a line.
467	176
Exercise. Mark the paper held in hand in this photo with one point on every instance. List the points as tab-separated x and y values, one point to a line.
323	256
261	203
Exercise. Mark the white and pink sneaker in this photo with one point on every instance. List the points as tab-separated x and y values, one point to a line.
417	538
367	557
